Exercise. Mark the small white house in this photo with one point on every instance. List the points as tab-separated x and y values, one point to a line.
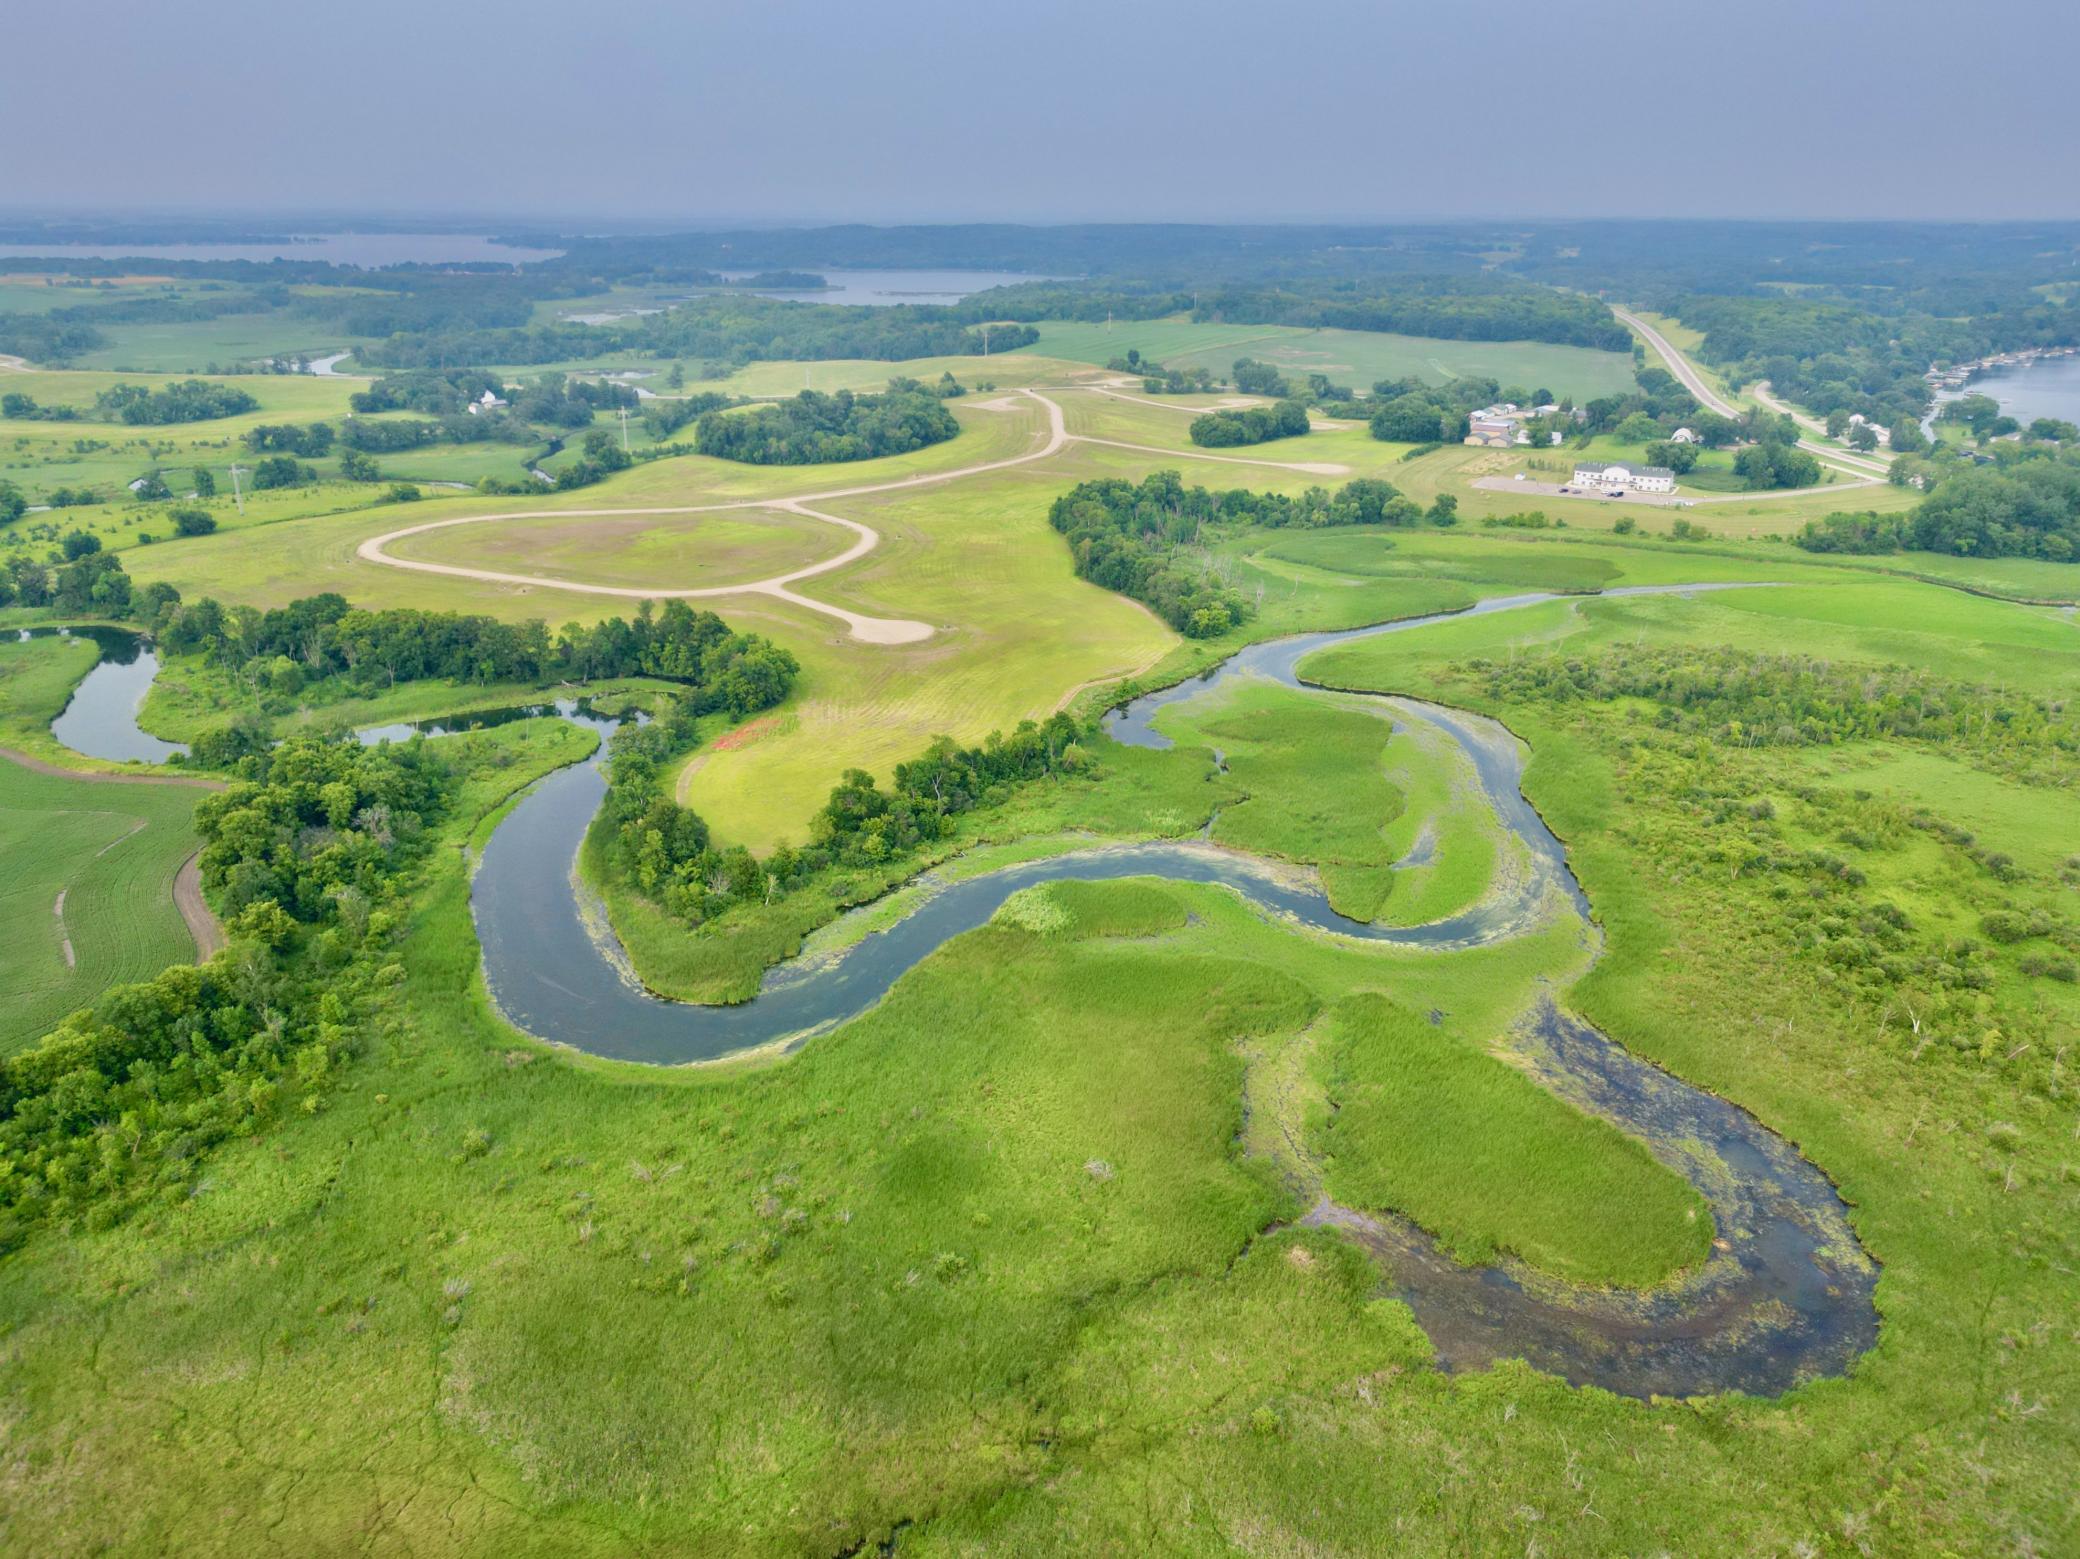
485	402
1858	420
1683	436
1620	475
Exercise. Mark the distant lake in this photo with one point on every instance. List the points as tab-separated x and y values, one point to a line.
874	289
886	287
2048	387
367	250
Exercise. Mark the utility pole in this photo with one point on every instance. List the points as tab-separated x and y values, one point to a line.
237	497
624	430
985	338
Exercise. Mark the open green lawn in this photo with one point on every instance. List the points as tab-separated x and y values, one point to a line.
87	900
1357	358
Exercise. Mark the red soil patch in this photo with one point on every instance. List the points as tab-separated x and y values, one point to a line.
743	735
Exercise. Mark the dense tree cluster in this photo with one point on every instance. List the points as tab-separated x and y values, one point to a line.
814	428
2026	503
322	636
310	818
375	436
312	440
282	471
47	338
89	582
1454	308
662	849
446	393
719	327
1413	412
1655	407
2020	508
17	407
1251	425
1866	533
862	824
1776	463
191	400
1255	378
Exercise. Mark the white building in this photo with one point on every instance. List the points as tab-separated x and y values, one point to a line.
1683	436
1620	475
1858	420
485	402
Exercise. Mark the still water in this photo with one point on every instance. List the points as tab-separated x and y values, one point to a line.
366	250
100	719
2048	387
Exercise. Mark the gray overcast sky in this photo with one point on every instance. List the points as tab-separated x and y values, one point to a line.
1045	110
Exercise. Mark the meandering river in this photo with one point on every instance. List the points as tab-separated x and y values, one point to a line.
1785	1296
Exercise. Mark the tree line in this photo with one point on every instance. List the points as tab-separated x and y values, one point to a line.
722	328
321	636
814	428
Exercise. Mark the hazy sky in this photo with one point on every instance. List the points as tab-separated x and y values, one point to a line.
1045	110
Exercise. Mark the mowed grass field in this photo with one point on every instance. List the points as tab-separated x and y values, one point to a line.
1357	358
111	850
692	551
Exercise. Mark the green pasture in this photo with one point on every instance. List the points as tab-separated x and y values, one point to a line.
198	345
111	851
1358	358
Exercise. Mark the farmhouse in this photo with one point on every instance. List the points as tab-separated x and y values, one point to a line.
1622	474
488	401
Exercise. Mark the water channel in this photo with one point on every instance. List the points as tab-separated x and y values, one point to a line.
1785	1296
